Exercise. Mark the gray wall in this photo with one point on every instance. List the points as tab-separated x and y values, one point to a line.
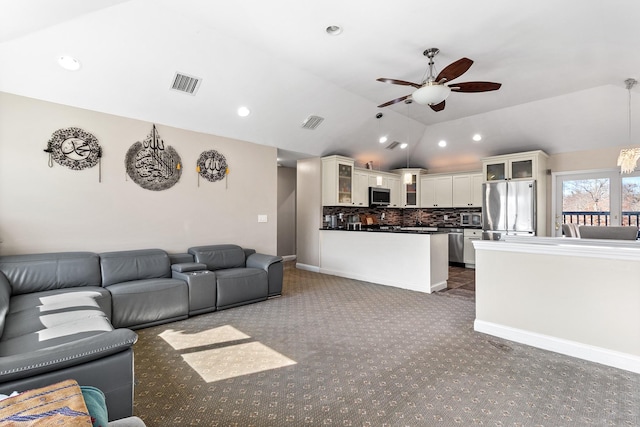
286	211
45	209
309	213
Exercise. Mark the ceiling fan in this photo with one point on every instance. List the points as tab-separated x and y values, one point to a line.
434	90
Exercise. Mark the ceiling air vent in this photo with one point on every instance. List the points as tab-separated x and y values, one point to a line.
185	83
312	122
393	145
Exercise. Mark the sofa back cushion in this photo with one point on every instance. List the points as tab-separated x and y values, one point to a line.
44	272
218	257
125	266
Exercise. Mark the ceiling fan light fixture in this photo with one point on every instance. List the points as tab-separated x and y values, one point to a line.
68	63
431	93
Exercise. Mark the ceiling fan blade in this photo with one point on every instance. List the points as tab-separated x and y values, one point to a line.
475	87
455	69
399	82
438	107
395	101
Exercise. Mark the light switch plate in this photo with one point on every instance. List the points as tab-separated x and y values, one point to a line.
262	218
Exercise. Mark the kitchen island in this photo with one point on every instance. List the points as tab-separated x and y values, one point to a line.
409	259
579	297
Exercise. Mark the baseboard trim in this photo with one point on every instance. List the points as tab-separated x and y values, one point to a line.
438	286
604	356
307	267
288	257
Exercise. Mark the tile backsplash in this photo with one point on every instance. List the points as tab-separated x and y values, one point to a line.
432	217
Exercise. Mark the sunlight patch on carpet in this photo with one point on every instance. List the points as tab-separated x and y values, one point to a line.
241	359
181	340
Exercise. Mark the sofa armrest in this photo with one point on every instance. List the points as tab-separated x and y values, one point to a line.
262	261
64	355
273	265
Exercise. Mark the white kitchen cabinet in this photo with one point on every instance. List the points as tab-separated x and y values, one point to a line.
528	165
410	187
436	191
467	190
396	192
469	255
337	181
360	188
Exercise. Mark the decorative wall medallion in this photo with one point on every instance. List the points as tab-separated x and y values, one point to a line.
74	148
212	165
151	165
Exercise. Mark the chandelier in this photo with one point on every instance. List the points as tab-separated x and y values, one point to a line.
628	157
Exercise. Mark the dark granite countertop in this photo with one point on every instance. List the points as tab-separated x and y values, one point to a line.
392	229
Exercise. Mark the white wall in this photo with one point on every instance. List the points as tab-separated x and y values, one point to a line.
46	209
580	299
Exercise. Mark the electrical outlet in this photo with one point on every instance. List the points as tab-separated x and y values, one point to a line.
262	218
446	217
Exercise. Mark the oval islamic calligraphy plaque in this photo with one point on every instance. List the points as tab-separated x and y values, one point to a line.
213	165
151	165
74	148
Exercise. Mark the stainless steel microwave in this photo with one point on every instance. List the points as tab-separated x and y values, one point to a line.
379	196
471	219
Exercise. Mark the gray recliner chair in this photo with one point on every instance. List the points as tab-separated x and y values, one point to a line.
610	232
242	276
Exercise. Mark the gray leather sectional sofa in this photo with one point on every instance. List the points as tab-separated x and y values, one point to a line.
72	315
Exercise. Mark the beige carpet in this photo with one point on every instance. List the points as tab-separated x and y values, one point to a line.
339	352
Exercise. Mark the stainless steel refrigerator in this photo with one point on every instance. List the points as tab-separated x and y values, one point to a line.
508	207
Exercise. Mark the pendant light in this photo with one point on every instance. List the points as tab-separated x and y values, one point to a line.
408	178
629	156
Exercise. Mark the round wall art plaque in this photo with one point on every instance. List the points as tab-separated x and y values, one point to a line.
212	165
74	148
151	164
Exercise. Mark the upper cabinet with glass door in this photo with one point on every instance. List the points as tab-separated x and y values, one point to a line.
410	186
337	181
528	165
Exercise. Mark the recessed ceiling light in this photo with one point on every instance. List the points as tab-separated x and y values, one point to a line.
69	63
243	111
383	139
442	143
334	30
477	137
404	145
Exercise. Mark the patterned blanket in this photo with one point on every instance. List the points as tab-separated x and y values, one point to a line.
57	404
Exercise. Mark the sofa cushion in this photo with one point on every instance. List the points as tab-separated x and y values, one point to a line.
236	286
141	303
61	298
125	266
41	272
48	318
218	257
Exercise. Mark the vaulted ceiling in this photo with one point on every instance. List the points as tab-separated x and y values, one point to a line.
562	65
